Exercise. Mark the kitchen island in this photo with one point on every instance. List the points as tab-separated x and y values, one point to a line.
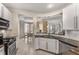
56	44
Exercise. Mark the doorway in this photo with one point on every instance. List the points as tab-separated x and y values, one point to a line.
28	30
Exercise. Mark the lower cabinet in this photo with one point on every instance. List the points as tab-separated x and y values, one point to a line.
53	45
43	42
2	51
36	43
47	44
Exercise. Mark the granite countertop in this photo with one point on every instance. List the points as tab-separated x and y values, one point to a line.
67	39
11	36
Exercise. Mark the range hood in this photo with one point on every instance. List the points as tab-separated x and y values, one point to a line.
4	24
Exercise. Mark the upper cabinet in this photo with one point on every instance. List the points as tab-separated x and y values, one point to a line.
71	17
0	10
69	14
4	12
77	17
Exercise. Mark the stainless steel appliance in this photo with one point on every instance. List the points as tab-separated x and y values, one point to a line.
10	45
8	42
1	39
4	24
12	49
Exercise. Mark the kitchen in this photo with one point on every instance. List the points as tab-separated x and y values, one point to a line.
39	29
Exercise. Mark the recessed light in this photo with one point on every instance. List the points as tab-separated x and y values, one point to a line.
50	6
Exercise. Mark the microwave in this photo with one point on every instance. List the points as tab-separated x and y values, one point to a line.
4	24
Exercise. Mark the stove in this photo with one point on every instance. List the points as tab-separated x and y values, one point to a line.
10	46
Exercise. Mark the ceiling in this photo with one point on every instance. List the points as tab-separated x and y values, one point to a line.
36	7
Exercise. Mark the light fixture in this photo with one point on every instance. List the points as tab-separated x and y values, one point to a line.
50	6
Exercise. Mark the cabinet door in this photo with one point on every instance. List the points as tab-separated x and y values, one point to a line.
53	45
43	43
5	13
69	17
36	43
77	16
2	51
0	10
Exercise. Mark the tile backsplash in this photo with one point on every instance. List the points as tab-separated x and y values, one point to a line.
72	33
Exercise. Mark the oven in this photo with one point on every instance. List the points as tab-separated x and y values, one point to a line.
10	46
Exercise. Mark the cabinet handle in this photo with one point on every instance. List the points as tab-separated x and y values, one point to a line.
74	22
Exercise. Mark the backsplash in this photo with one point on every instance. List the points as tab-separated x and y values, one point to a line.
72	33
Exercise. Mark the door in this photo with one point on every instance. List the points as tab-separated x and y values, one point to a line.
69	17
28	32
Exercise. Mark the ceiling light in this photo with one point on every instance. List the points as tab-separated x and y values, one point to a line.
50	6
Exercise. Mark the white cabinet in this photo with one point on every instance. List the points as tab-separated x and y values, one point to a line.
69	17
5	13
40	43
43	42
53	45
77	17
2	51
47	44
36	43
0	10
